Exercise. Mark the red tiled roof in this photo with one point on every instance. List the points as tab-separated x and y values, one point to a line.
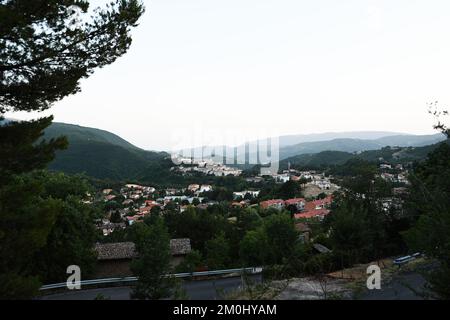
294	201
312	214
268	203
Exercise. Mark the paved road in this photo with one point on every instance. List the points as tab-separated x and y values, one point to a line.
196	290
399	288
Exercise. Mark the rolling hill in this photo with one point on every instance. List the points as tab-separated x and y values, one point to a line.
84	134
104	155
336	158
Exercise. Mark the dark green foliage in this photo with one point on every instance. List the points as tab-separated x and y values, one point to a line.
70	242
43	56
79	134
42	218
253	248
43	225
217	252
152	245
429	207
115	217
104	160
26	220
198	225
20	153
287	190
318	160
281	237
355	229
191	263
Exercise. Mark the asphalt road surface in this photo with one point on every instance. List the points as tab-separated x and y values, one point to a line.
399	288
195	290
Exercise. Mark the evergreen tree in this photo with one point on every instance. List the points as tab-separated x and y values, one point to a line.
44	54
152	245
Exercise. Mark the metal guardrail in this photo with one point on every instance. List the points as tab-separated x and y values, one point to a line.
134	279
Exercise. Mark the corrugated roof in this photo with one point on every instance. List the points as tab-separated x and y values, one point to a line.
127	250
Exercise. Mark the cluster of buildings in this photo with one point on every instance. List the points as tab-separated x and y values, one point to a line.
304	209
130	192
393	173
206	167
246	194
138	202
395	178
312	178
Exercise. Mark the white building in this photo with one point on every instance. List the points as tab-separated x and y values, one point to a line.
242	194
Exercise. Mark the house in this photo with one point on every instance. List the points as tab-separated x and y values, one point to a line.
134	186
135	197
127	202
109	227
323	203
133	219
107	191
109	197
282	178
193	187
179	248
171	192
242	194
316	209
145	211
276	204
298	203
114	258
149	189
205	188
323	184
318	213
401	178
236	204
388	177
254	179
174	198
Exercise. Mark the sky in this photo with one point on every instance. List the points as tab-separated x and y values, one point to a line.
212	71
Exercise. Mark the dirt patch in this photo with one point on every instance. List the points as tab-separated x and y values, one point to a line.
312	191
315	289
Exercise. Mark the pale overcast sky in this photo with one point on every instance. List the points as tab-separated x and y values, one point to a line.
224	67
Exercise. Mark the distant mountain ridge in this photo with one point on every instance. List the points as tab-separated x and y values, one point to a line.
288	140
104	155
335	158
350	145
359	145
